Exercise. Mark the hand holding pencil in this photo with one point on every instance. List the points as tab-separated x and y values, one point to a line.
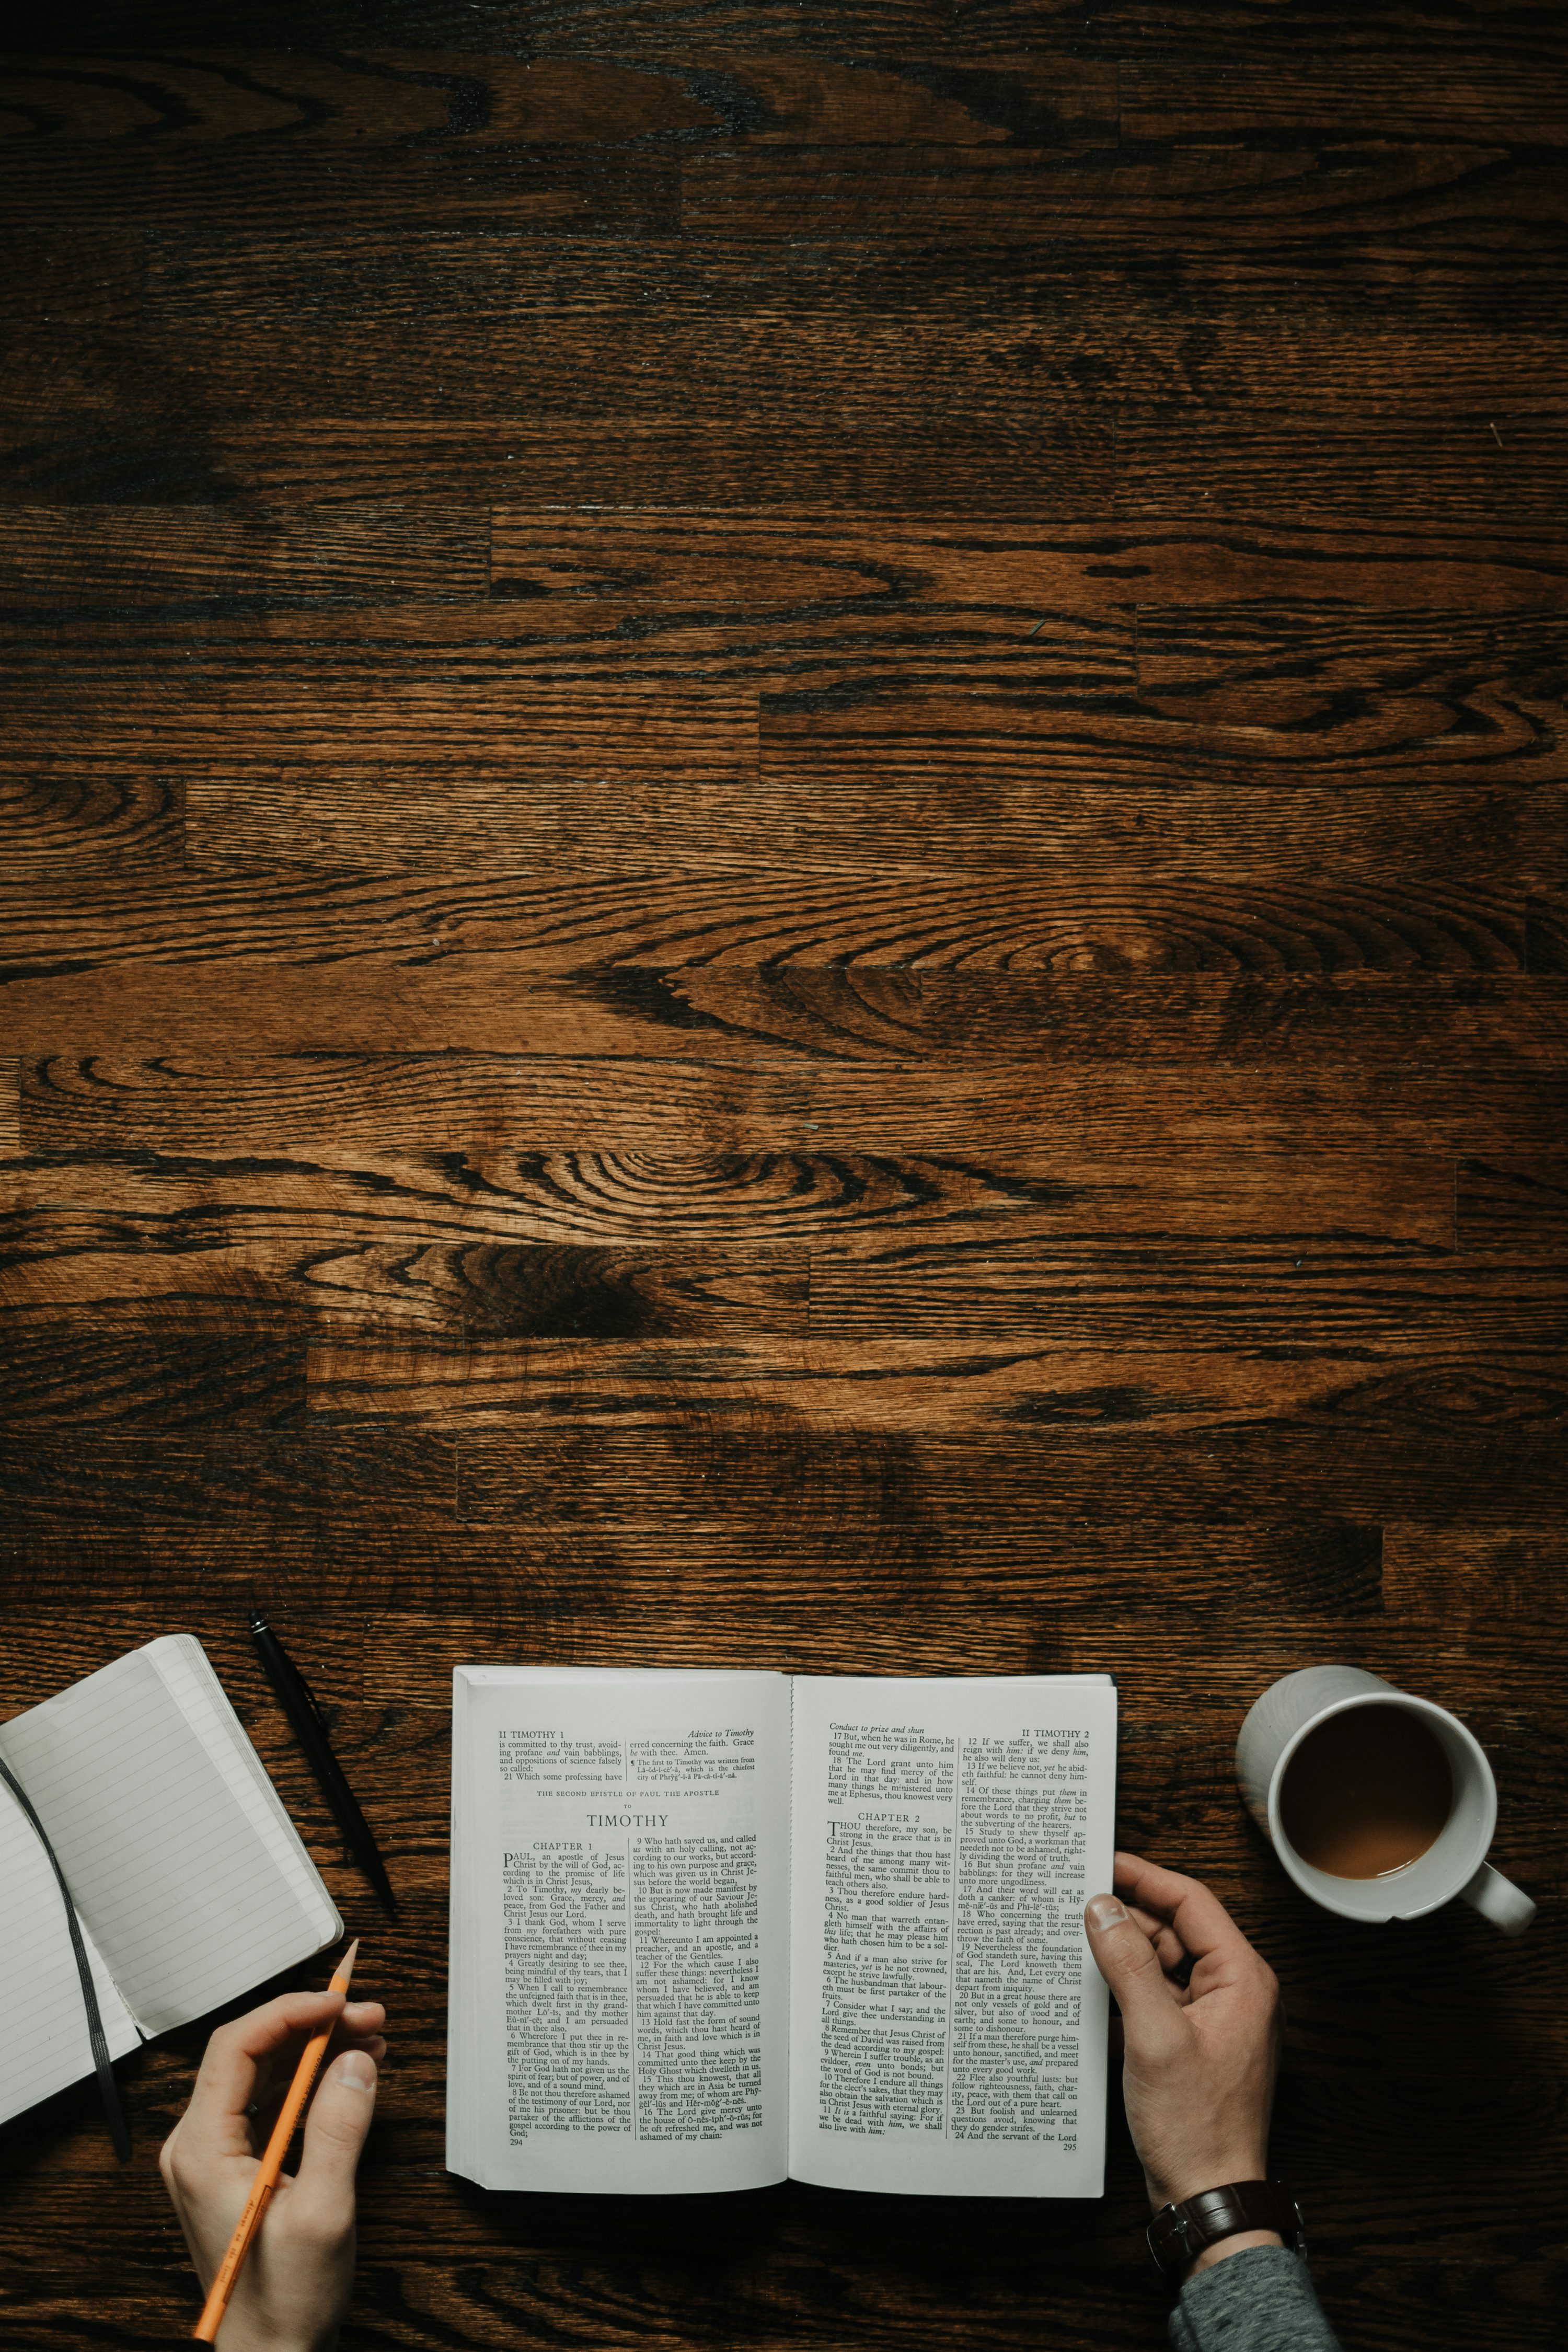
294	2285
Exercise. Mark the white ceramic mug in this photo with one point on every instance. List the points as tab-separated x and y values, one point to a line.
1455	1864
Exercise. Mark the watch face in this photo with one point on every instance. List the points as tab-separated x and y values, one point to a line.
1168	2242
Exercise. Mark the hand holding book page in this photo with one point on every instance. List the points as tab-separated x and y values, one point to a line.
709	1929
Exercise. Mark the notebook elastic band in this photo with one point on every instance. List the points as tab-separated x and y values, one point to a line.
119	2130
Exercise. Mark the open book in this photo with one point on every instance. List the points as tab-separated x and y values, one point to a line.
711	1930
188	1877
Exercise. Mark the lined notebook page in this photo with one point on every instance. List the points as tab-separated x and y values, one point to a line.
45	2044
185	1868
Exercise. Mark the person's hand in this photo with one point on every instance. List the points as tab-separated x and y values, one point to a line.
1200	2058
298	2275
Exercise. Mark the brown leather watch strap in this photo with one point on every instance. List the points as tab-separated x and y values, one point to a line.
1179	2234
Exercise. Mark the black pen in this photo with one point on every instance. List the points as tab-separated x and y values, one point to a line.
293	1695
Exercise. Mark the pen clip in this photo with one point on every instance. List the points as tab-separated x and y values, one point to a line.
309	1697
310	1701
259	1624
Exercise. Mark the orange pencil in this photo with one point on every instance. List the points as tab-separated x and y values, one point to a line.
271	2164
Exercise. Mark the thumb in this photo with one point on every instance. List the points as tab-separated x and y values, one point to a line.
1130	1966
335	2127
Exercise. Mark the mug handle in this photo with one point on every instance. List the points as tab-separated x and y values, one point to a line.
1497	1898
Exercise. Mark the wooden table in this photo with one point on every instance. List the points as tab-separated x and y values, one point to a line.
784	884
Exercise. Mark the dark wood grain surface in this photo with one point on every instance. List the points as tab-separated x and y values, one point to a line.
784	881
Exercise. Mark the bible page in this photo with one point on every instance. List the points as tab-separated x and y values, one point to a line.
46	2044
185	1869
620	1930
948	2025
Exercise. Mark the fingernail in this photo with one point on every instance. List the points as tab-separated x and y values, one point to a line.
355	2069
1104	1911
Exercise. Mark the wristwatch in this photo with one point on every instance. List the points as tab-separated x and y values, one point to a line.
1179	2234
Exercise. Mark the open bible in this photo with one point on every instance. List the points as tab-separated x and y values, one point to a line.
711	1930
187	1875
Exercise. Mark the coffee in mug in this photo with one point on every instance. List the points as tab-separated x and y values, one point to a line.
1367	1792
1379	1805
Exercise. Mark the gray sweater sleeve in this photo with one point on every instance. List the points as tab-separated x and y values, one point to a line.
1260	2300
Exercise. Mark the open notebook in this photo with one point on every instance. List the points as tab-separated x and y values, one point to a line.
709	1929
188	1877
